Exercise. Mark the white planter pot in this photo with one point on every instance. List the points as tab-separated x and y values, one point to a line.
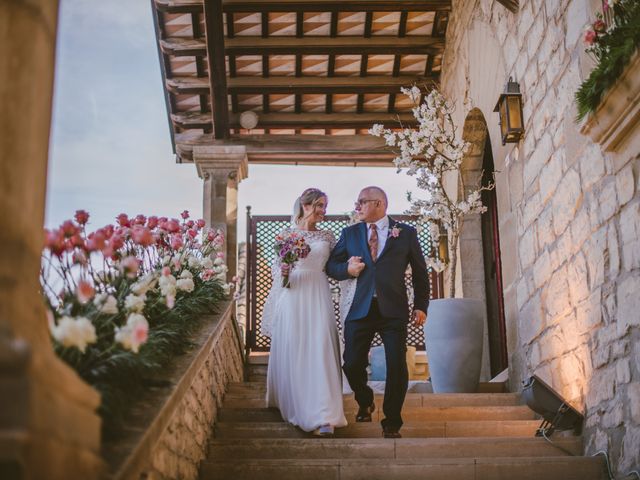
453	338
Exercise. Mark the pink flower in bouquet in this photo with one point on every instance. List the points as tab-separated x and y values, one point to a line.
176	242
68	228
185	214
192	233
290	248
84	292
166	271
77	241
208	274
123	220
201	223
108	251
96	241
152	222
590	37
220	255
190	223
599	26
141	235
140	332
108	230
54	240
130	266
79	257
82	217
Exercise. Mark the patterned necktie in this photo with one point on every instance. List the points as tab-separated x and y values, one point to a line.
373	241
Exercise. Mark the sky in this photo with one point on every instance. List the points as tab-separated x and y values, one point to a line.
110	146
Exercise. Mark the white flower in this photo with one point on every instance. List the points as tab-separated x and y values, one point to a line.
167	284
206	263
144	284
134	333
134	303
186	274
218	261
227	288
71	332
166	260
193	262
106	304
377	130
185	284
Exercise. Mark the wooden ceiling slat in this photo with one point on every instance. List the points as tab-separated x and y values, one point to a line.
189	6
322	85
414	45
191	120
217	67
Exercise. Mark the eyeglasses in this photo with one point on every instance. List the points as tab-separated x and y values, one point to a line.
361	201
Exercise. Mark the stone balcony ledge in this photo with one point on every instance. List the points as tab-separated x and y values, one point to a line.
170	425
617	119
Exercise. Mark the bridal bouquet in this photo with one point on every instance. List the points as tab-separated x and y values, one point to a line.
290	247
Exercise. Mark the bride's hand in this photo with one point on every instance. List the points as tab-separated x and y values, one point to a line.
355	266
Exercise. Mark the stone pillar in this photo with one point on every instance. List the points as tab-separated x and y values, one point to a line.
222	168
48	425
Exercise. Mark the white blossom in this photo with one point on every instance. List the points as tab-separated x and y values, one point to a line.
206	263
134	303
134	333
185	284
74	332
106	303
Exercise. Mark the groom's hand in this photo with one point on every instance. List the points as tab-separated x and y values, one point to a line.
419	318
355	266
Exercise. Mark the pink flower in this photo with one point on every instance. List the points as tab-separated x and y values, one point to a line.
123	220
96	241
152	222
68	228
172	226
108	230
166	271
176	242
192	233
140	220
79	257
185	214
395	232
117	241
190	223
85	291
82	217
208	274
141	235
130	265
220	255
77	241
590	37
140	332
201	223
108	251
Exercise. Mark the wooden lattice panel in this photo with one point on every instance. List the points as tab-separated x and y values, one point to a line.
261	254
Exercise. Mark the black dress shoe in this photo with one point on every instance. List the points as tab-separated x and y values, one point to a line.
391	433
364	413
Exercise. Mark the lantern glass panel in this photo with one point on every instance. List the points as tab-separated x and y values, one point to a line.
503	118
515	120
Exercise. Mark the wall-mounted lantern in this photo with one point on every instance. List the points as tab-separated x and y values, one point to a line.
509	107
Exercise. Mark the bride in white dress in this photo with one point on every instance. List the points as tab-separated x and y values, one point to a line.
304	378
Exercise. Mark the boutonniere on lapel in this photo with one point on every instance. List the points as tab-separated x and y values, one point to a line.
395	232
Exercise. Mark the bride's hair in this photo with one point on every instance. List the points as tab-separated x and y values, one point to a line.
308	197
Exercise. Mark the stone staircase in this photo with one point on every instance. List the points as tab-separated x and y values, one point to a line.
488	435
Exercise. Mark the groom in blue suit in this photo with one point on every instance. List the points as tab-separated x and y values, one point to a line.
377	252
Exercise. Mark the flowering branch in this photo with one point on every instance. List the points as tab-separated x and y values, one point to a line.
429	153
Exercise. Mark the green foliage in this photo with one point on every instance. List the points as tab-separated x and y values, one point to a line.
612	49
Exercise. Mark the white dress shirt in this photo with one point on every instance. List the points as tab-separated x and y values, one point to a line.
383	232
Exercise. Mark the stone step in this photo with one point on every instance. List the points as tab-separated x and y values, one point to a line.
411	429
520	468
237	399
257	384
323	448
427	414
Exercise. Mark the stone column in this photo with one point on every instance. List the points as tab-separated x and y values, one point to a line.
48	425
222	168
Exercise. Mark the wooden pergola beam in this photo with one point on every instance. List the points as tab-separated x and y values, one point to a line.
198	120
342	45
217	69
301	85
297	149
195	6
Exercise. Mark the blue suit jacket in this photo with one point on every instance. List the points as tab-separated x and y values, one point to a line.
386	275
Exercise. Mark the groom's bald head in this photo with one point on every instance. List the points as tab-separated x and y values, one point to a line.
376	193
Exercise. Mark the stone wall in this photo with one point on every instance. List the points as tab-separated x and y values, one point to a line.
569	214
176	441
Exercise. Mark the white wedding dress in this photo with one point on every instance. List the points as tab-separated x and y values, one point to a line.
304	378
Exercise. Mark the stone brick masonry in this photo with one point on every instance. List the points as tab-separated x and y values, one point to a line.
570	222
